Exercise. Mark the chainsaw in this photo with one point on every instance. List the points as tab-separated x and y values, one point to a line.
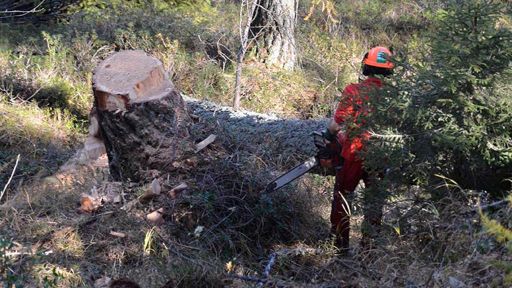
329	148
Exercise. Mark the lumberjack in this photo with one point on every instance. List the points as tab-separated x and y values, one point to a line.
339	147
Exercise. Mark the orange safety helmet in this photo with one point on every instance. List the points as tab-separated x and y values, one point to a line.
379	57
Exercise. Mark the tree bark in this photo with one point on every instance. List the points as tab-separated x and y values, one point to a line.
273	28
142	118
282	142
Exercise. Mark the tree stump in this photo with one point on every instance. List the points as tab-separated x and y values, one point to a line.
142	118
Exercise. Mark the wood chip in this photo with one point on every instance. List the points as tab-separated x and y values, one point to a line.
128	206
109	192
151	192
117	234
176	191
155	186
103	282
209	140
89	204
155	217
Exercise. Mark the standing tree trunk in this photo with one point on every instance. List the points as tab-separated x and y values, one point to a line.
142	118
245	27
273	28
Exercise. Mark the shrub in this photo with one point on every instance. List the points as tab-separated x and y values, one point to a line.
449	113
503	235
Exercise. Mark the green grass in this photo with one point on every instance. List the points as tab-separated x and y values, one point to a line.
43	138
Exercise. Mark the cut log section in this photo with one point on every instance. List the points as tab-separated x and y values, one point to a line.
142	118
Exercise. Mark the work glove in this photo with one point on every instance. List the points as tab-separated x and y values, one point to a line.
323	142
328	135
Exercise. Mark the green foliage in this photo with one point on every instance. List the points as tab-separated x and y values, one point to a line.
8	277
452	104
382	22
469	48
10	274
503	235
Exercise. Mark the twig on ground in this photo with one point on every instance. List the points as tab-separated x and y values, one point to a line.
247	278
10	178
20	13
270	263
266	272
283	252
491	205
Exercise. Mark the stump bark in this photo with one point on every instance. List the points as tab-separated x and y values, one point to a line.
142	118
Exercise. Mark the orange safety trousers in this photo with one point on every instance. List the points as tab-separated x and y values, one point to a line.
352	108
346	181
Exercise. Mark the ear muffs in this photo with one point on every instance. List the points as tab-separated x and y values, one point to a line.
364	67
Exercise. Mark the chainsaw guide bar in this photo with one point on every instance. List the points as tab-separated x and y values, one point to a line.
291	175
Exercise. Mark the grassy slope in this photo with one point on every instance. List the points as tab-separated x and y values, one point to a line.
46	96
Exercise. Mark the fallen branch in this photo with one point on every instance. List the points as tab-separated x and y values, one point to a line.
480	208
20	13
283	252
266	272
10	178
175	192
117	234
270	263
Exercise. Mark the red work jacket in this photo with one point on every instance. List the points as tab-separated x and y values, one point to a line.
351	112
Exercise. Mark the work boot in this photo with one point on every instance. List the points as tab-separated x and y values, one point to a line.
341	243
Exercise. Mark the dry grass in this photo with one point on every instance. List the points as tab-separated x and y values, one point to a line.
241	229
239	225
43	139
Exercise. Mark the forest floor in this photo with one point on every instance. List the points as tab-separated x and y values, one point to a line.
221	231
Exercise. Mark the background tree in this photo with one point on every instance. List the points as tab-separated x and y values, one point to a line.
245	26
273	28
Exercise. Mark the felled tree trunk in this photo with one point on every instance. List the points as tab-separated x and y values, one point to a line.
142	118
281	142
